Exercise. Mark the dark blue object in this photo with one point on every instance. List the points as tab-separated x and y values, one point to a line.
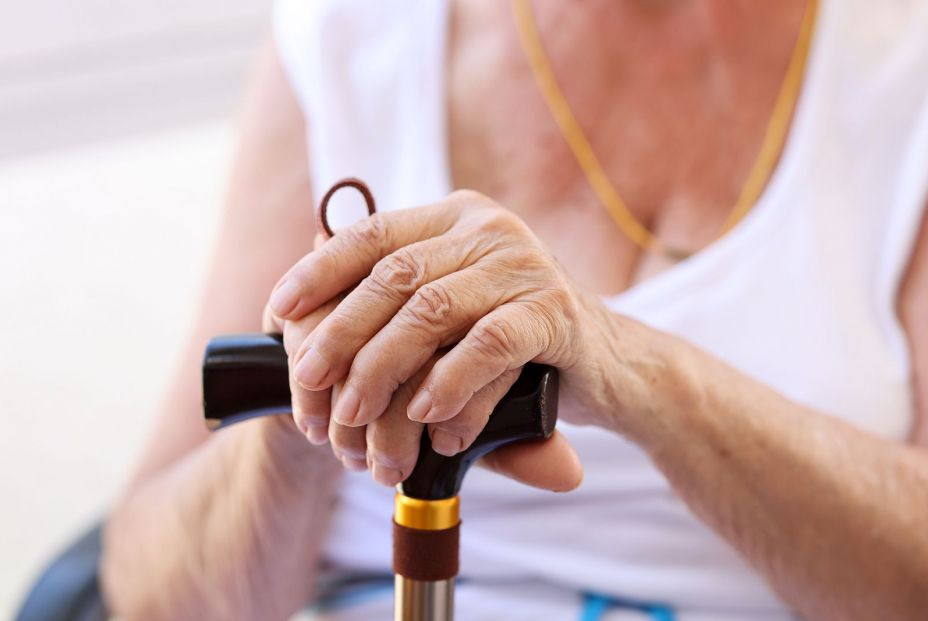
68	589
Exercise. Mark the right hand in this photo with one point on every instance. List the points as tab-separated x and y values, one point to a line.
390	444
393	438
312	410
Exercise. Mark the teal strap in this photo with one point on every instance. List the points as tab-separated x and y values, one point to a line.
596	605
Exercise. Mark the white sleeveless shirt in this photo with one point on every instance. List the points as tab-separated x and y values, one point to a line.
800	295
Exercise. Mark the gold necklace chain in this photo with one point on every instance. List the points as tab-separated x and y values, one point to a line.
759	175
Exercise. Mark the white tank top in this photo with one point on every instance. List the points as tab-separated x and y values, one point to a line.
800	295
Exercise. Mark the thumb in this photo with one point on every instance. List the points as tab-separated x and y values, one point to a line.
271	322
550	464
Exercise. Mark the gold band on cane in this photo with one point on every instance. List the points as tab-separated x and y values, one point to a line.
426	514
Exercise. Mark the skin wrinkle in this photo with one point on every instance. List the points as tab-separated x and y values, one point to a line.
750	523
802	496
398	274
431	305
617	85
255	521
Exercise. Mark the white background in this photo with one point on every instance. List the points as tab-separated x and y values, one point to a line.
116	124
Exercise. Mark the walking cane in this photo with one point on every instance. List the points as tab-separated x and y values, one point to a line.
245	376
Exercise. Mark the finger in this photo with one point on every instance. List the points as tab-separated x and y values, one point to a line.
456	434
550	464
270	323
349	256
399	280
439	313
311	412
505	339
348	443
393	440
311	409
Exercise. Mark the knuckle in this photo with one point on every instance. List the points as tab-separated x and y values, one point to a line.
560	302
332	330
391	455
466	428
401	272
488	216
293	342
552	316
347	443
503	222
326	261
430	305
306	420
564	301
368	232
374	375
495	337
495	390
389	451
466	196
301	420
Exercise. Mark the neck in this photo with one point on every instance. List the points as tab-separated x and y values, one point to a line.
684	33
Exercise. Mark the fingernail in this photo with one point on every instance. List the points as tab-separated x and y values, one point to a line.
318	435
285	297
419	407
346	408
385	475
311	369
446	443
306	423
354	465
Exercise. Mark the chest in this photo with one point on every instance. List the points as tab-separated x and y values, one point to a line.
676	130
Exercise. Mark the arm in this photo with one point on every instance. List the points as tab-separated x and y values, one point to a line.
230	526
832	516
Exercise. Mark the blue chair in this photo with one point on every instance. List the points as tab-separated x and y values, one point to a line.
68	588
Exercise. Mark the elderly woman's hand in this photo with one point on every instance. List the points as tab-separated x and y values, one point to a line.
464	274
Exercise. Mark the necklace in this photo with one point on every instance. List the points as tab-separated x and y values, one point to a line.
631	227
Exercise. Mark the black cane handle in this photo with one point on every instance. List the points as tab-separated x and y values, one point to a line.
246	375
527	412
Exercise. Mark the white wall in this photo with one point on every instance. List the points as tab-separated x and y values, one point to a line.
115	133
87	70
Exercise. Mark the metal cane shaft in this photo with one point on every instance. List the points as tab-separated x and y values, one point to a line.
247	375
418	600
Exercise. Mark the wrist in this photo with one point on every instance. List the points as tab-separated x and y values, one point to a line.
674	392
283	452
646	378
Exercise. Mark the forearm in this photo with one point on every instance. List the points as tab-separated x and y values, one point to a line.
832	516
233	530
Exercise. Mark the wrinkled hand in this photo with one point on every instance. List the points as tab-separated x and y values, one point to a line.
463	273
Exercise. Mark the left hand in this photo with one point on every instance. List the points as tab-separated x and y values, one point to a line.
464	273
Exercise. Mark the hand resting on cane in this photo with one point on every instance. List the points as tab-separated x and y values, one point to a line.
390	443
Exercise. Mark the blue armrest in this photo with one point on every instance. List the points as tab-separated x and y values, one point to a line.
68	589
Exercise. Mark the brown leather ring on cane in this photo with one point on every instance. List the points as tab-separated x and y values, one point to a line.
427	555
322	220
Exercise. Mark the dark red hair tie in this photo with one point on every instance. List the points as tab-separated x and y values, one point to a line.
322	220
